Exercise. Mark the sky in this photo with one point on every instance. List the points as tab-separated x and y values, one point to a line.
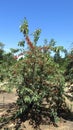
53	17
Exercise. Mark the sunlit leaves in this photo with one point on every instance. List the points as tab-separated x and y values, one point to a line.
13	50
24	27
36	35
21	43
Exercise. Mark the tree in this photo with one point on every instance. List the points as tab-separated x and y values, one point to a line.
37	78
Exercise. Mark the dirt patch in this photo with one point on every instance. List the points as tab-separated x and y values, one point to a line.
6	98
8	107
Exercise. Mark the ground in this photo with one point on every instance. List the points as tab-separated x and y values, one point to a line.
7	108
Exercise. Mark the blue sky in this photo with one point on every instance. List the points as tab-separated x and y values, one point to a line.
54	17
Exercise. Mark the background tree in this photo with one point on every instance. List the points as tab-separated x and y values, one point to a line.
69	67
1	51
7	60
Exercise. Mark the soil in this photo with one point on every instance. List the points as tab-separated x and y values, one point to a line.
8	107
